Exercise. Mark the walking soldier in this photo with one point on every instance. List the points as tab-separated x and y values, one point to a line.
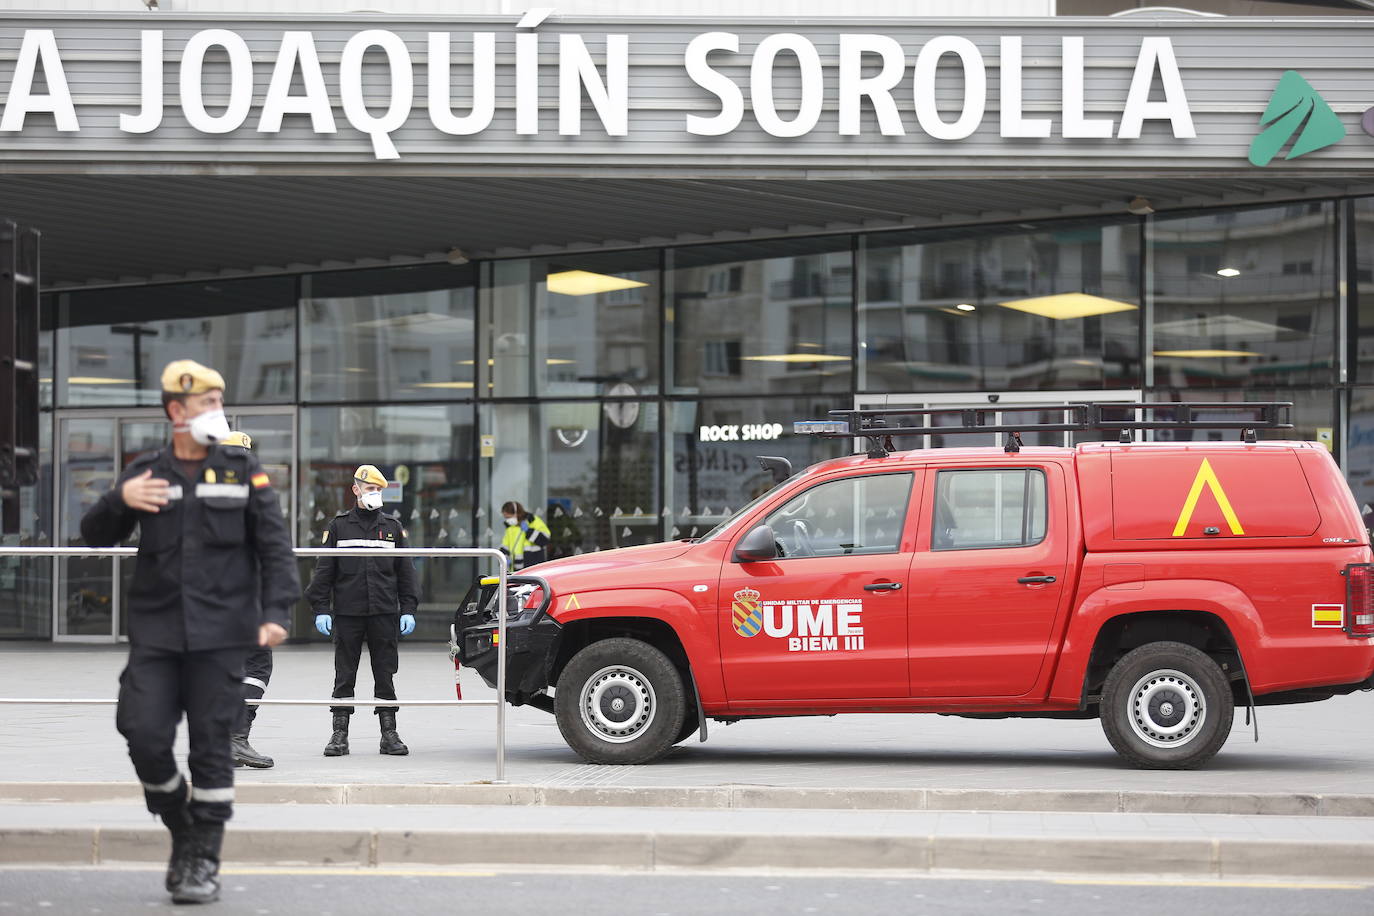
215	576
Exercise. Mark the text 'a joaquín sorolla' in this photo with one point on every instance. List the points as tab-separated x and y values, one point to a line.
218	77
826	625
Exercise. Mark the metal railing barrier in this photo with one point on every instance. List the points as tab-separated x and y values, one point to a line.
503	570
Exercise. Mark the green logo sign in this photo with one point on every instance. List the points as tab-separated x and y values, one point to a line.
1295	109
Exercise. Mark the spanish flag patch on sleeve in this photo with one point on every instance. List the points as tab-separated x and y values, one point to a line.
260	480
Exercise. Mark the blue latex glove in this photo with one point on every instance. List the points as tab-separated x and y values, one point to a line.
407	624
324	623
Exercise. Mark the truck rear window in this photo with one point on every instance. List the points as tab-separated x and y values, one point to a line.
978	509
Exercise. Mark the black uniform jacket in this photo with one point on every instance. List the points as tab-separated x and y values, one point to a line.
367	585
214	564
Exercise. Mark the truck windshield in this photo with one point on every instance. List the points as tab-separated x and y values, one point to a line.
734	519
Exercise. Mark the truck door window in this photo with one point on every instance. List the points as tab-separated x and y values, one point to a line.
857	515
978	509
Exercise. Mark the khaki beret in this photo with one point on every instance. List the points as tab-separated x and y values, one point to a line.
186	376
369	474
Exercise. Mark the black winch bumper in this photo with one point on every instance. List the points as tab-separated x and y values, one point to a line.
532	640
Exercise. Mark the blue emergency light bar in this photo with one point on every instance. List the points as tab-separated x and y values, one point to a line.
820	427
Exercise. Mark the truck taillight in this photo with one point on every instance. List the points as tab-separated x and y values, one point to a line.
1359	600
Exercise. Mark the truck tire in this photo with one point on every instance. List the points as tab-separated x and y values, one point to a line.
1166	706
620	701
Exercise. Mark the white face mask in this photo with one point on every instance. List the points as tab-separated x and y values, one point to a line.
209	427
508	520
371	500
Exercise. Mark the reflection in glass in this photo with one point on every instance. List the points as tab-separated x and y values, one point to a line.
574	326
1245	298
113	343
760	317
426	452
1362	289
1312	414
401	334
715	470
589	469
1048	307
87	471
26	582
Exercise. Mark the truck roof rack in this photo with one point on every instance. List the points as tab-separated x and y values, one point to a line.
1079	417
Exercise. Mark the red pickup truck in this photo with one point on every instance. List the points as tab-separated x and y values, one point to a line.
1155	586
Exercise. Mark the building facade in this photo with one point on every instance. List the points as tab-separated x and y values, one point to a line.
608	312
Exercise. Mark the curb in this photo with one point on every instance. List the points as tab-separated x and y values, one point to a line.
1210	858
738	796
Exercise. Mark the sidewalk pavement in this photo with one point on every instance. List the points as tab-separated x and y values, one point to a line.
1319	749
638	839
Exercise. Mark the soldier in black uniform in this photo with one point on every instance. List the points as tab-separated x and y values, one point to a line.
370	600
215	576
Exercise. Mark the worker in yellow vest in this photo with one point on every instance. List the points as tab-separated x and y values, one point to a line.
526	540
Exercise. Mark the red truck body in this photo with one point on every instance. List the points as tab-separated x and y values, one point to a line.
975	581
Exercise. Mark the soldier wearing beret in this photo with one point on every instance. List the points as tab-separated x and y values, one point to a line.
215	577
369	600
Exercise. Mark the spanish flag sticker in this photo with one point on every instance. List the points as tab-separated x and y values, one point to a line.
1328	615
260	480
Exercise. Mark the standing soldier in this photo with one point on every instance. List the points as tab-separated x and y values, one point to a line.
257	673
215	576
368	600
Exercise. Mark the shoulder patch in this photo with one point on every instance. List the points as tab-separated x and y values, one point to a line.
324	539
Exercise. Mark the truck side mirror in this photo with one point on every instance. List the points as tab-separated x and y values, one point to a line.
756	546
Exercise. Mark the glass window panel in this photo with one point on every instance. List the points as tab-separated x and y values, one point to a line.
857	515
575	326
1245	298
1313	414
112	344
995	508
426	452
714	447
591	470
1359	454
26	582
1054	306
1362	290
760	317
405	333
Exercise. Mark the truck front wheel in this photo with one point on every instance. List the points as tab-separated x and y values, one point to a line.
620	701
1166	706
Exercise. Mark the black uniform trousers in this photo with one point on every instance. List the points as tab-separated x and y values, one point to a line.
154	689
257	674
382	633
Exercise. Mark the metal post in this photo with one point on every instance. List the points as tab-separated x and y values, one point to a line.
502	565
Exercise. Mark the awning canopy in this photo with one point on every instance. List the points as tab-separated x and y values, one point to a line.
110	229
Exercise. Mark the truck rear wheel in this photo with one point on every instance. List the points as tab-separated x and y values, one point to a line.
620	701
1166	706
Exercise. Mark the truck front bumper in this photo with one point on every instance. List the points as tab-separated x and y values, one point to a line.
532	642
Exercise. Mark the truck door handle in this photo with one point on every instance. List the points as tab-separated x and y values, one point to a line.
1035	580
883	587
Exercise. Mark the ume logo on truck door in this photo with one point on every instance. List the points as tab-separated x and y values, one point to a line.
824	625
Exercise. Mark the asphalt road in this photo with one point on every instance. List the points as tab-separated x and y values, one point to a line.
367	893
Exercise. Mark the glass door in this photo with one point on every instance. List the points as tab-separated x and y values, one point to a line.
995	404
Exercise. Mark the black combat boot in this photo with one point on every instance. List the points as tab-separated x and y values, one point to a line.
391	742
245	755
179	824
338	742
200	869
